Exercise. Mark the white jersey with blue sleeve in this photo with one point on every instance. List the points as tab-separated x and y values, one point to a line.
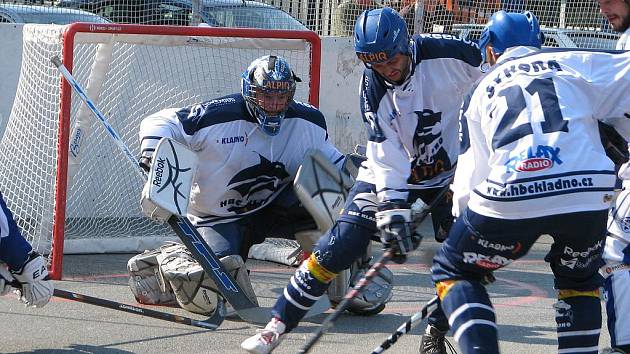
241	169
532	126
412	127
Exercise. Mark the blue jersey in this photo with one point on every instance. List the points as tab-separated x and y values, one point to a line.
14	248
413	129
241	169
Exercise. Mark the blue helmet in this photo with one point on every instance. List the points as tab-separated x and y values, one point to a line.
379	35
510	29
268	86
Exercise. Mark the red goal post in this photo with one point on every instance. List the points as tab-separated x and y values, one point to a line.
75	193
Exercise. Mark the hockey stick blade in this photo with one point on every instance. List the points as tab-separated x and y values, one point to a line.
211	323
407	326
187	233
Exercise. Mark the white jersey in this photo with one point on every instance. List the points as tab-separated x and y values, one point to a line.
241	169
617	248
531	126
413	141
624	41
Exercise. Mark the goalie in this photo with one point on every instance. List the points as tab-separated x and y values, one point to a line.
249	147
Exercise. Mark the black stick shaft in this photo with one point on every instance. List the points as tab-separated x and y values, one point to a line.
330	320
133	309
407	326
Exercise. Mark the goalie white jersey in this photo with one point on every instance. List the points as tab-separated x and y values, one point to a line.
241	169
531	128
412	127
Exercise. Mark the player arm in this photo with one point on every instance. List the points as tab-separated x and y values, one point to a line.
14	248
167	123
471	165
387	158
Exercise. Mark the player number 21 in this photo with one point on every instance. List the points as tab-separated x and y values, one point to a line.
554	122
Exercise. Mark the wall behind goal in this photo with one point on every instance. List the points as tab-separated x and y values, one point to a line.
339	100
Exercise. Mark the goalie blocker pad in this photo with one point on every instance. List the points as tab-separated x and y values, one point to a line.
322	188
170	176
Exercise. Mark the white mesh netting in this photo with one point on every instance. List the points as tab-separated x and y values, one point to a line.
128	76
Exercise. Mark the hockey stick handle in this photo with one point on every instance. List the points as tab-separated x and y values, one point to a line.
407	326
79	90
330	320
133	309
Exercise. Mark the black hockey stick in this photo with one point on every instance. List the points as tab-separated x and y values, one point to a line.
211	323
190	237
407	326
369	275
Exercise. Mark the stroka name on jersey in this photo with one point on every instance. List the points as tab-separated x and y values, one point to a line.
530	160
506	73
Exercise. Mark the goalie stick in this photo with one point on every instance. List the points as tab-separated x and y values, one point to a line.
211	323
369	275
184	229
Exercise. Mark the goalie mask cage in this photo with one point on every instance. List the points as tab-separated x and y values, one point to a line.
62	176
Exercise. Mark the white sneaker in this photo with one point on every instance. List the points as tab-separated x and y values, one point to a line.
267	339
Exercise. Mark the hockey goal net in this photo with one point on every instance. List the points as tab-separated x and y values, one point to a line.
66	182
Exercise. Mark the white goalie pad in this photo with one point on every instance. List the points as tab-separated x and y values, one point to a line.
322	188
170	178
146	281
194	290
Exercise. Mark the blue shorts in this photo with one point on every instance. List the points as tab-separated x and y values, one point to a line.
280	219
478	245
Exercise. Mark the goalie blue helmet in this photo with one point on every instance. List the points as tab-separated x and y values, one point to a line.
510	29
268	86
380	34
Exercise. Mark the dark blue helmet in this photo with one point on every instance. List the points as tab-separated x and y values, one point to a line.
379	35
268	86
510	29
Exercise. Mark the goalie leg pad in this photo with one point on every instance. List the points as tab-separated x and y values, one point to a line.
194	290
146	281
189	282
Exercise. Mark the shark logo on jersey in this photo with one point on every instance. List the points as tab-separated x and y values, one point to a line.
255	185
430	158
543	157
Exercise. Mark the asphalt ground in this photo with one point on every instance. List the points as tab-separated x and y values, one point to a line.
523	296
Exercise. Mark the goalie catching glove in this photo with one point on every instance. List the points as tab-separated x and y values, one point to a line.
35	288
395	222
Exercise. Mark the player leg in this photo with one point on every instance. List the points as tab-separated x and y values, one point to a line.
433	340
616	271
476	246
335	251
616	288
575	258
